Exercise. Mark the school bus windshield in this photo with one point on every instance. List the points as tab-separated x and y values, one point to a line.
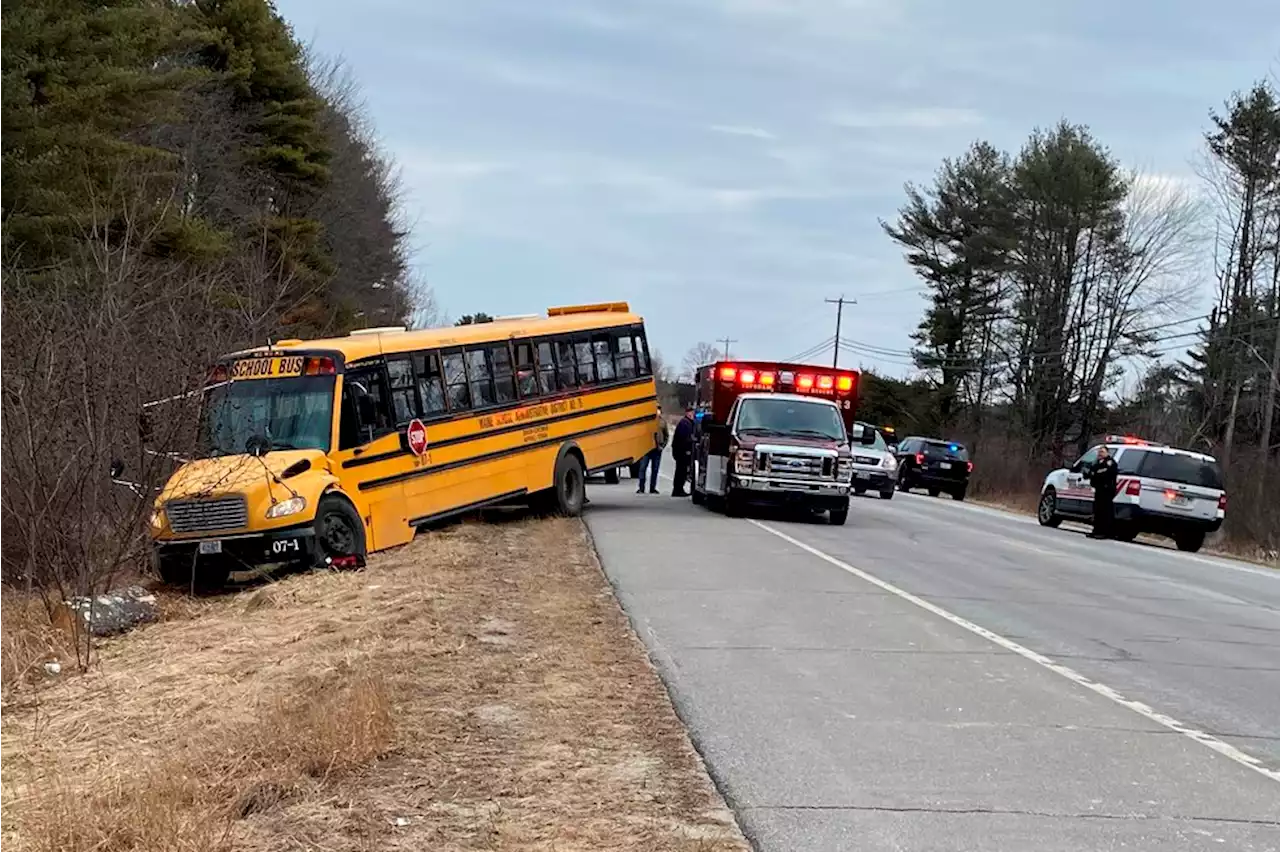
289	413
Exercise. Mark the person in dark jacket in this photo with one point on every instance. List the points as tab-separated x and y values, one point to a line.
1103	478
682	450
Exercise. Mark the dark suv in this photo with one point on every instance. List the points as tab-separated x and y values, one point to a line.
935	465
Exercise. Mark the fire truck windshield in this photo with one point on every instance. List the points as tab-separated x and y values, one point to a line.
783	416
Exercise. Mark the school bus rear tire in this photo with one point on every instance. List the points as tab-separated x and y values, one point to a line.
339	531
569	486
611	476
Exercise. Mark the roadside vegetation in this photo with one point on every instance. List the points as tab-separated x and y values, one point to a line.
477	689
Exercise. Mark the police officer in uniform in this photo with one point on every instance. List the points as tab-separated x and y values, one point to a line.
1103	478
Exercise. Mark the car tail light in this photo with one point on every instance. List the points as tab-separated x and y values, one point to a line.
1133	488
826	382
727	374
920	458
319	367
766	379
970	467
804	382
1222	502
747	377
844	384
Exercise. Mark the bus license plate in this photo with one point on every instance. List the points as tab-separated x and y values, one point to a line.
211	546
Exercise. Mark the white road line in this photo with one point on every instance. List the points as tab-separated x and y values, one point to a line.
1207	740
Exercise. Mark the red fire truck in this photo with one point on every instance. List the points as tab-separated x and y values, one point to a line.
769	432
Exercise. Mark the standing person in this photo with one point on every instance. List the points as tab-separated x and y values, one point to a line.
1103	478
652	459
682	449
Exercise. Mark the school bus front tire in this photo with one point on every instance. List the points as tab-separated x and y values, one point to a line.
339	531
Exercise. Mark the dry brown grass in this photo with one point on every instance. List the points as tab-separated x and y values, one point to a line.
28	641
478	689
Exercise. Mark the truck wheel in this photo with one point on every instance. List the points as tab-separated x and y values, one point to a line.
569	486
840	515
1047	511
934	492
1190	541
698	497
339	533
886	495
611	476
859	489
958	494
732	504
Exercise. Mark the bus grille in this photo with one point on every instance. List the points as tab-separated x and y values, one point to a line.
224	513
802	467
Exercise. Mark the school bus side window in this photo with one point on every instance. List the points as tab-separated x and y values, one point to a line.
504	389
586	361
526	370
601	345
366	410
642	351
455	381
426	367
480	379
404	392
565	360
626	355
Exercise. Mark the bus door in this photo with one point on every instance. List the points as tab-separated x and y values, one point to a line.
372	459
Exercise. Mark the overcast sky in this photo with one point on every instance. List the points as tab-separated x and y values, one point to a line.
723	164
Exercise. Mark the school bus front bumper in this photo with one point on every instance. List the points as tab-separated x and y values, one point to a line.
244	551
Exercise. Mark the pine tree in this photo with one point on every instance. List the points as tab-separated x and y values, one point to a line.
957	235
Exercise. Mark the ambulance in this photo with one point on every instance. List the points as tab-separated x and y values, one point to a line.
776	433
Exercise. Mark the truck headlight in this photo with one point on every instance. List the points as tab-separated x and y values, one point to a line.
889	463
285	508
844	469
744	461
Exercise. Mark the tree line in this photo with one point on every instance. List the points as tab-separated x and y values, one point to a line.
1053	273
182	179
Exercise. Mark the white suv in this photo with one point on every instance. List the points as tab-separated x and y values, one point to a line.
874	467
1160	490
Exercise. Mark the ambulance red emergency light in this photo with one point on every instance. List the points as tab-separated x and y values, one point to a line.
719	384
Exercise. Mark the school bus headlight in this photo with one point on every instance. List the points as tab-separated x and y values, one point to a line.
285	508
157	519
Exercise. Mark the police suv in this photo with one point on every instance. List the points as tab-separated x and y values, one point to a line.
1160	490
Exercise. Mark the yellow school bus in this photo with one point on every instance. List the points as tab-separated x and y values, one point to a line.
322	451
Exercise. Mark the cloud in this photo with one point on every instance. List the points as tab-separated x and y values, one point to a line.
918	118
739	130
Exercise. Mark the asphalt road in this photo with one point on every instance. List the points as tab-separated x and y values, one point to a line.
940	676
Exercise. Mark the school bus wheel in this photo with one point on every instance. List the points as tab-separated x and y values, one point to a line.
569	486
339	533
611	476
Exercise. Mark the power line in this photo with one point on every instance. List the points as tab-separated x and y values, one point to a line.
726	341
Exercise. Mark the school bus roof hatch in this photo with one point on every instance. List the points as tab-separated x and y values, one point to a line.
601	307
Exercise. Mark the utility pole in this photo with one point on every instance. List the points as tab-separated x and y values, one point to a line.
839	303
726	341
